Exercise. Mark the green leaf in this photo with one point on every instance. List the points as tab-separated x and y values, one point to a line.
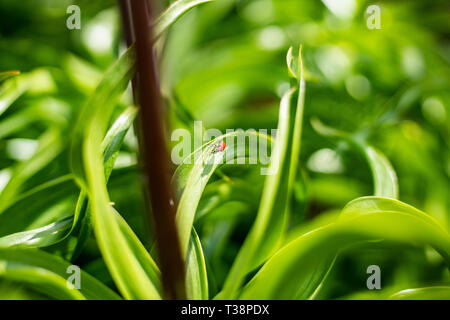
39	206
36	82
222	191
44	272
111	146
114	138
196	277
287	274
50	146
296	68
139	251
39	279
173	13
15	122
11	90
384	176
62	229
40	237
196	170
121	251
268	229
191	177
292	63
106	94
59	231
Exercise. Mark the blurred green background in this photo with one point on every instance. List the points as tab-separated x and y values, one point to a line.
224	63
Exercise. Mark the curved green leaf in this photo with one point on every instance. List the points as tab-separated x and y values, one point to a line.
111	146
192	176
40	237
50	146
41	280
172	14
287	274
37	81
39	206
45	271
268	229
196	277
384	176
124	261
62	229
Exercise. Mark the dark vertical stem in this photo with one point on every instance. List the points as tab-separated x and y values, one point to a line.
137	26
127	27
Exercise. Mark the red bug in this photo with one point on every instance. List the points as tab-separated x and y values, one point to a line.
219	147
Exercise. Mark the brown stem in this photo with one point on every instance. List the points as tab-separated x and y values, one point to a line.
137	27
